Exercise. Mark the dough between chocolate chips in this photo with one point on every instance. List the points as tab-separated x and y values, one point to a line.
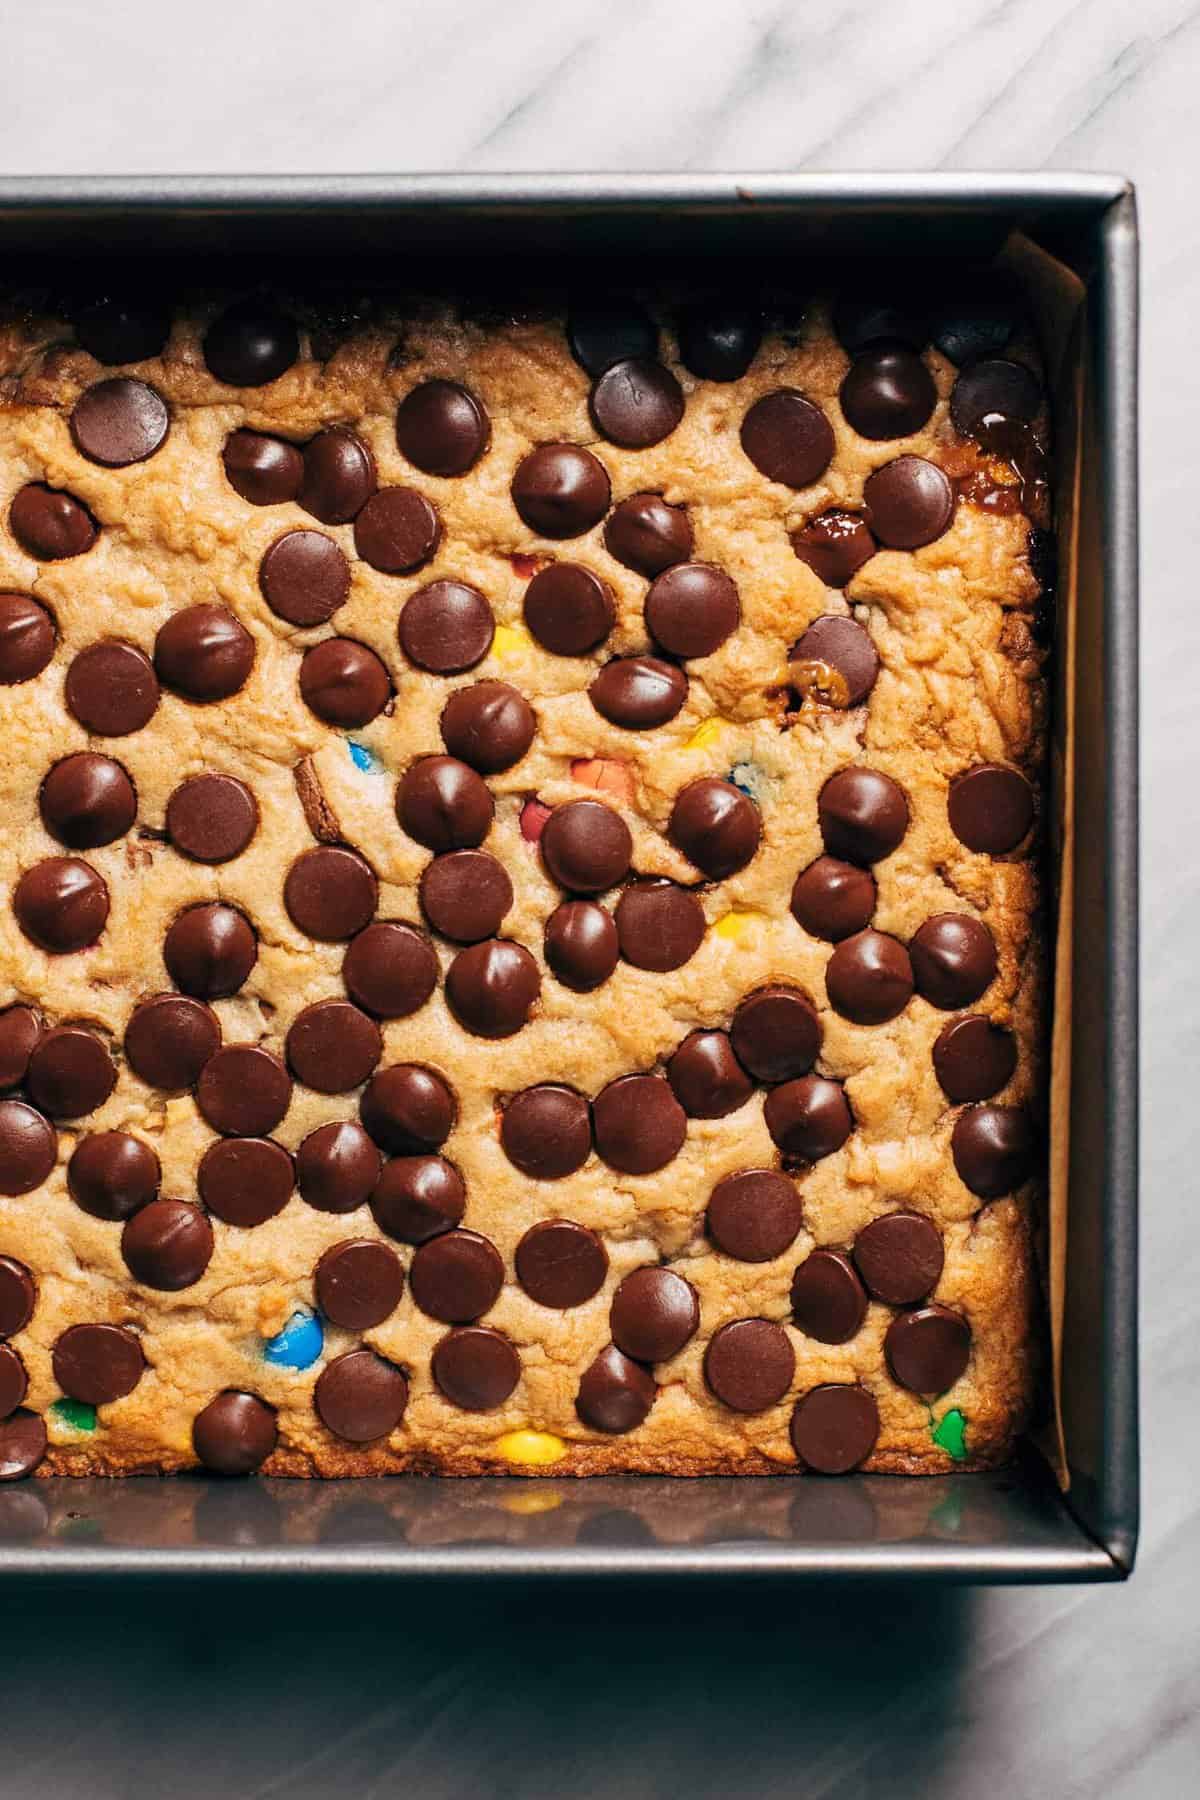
960	683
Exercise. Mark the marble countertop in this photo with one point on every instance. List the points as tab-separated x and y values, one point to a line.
1070	1692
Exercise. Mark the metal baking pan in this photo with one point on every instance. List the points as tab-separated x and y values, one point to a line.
1011	1526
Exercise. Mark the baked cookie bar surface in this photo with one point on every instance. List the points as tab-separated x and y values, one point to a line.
519	935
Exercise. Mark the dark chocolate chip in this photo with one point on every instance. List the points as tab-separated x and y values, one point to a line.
975	320
834	1428
61	904
692	608
266	471
749	1364
204	653
330	893
442	428
465	895
953	960
706	1077
111	1175
603	331
211	818
833	899
991	808
973	1058
909	502
828	1301
492	986
646	535
250	343
489	726
568	609
112	689
900	1257
119	422
456	1277
788	438
844	646
167	1245
639	692
869	978
639	1125
337	1166
716	826
861	319
18	1296
304	578
561	490
636	403
49	524
28	1147
994	1149
408	1109
344	683
169	1038
660	925
235	1433
446	627
245	1181
210	950
546	1131
615	1393
835	545
27	638
98	1363
418	1197
244	1091
561	1264
20	1029
754	1215
70	1072
390	969
994	388
475	1368
586	846
87	800
333	1047
22	1445
887	393
718	339
116	329
339	475
655	1312
358	1283
582	945
776	1033
928	1350
360	1397
863	815
397	530
809	1118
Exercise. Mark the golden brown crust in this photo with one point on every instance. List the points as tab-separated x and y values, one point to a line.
961	682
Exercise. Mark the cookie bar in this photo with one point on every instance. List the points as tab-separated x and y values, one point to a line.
519	911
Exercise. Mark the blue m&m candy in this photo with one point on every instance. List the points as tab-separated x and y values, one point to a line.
749	778
299	1344
361	757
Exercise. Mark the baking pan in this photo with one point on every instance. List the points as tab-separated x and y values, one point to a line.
1013	1525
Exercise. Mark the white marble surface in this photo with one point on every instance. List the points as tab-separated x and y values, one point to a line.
1065	1692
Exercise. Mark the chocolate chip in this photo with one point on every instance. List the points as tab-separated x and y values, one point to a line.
210	950
111	1175
568	609
167	1245
244	1091
14	1382
975	320
456	1277
560	490
18	1296
87	800
581	945
418	1197
887	393
492	986
333	1047
245	1181
647	535
98	1363
603	331
586	846
638	1123
749	1364
660	925
561	1264
808	1118
869	978
863	815
833	899
28	1147
991	808
835	545
860	318
20	1029
718	339
928	1350
112	689
235	1433
834	1427
119	422
408	1109
390	969
994	1149
337	1166
250	344
828	1302
546	1131
754	1215
344	683
304	578
264	470
22	1445
953	960
992	388
489	726
636	403
442	428
900	1257
638	692
26	638
339	475
706	1077
615	1393
973	1058
49	524
654	1314
330	893
359	1283
397	530
360	1397
909	502
204	653
716	826
211	818
475	1368
465	895
776	1033
119	330
844	646
692	609
169	1038
70	1072
787	438
446	627
61	904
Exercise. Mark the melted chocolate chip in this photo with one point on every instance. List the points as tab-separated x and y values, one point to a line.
991	808
360	1397
456	1277
390	969
358	1284
928	1350
51	525
973	1058
244	1091
909	502
70	1072
339	476
900	1257
655	1312
344	683
250	343
475	1368
167	1245
636	403
22	1445
832	900
887	393
397	530
443	804
834	1428
28	1148
718	339
561	1264
211	818
465	895
994	1149
615	1393
235	1433
844	646
994	388
18	1296
20	1029
639	692
98	1363
835	545
27	638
